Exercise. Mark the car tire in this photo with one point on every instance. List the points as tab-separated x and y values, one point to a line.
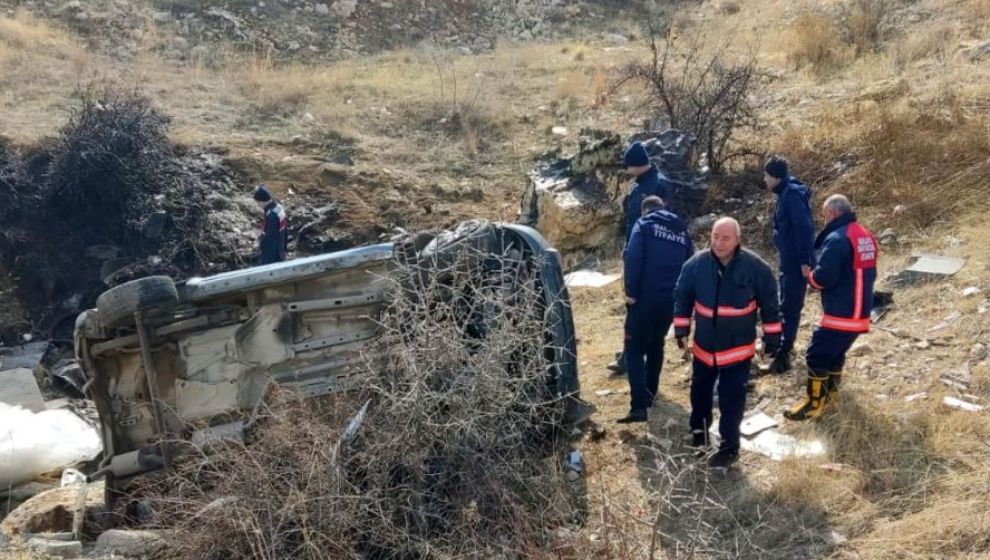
118	305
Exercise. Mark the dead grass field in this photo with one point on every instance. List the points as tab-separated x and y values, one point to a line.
871	98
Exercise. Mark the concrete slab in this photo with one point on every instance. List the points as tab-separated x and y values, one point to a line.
929	268
19	388
23	356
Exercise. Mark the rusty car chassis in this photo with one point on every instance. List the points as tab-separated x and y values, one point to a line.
193	359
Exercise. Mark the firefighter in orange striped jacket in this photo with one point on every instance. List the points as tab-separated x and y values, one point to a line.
846	271
725	288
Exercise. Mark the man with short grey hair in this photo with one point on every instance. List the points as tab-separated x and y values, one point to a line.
845	273
726	289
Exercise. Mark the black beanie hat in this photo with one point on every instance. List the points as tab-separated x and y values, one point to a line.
776	167
636	156
261	194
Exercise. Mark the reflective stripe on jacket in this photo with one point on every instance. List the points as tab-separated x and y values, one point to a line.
725	301
846	272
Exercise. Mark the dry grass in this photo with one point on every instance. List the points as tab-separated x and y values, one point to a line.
815	41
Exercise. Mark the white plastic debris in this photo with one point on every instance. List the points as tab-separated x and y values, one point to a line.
756	423
589	279
559	131
777	446
604	392
970	291
35	443
959	404
72	476
916	396
952	318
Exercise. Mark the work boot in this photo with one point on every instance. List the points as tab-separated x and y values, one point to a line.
781	364
699	439
723	458
618	367
635	415
815	400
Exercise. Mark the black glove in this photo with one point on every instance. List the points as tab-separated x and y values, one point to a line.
771	344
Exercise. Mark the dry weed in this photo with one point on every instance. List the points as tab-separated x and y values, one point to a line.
455	453
814	41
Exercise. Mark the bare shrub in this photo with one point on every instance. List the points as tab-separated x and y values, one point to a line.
710	94
862	24
455	454
814	41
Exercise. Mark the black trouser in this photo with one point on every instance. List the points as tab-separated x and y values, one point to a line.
646	325
793	288
827	351
731	399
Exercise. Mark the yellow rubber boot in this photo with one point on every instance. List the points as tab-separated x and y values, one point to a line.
814	402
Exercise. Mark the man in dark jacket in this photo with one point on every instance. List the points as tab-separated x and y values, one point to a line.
656	250
724	288
648	182
274	227
846	271
794	237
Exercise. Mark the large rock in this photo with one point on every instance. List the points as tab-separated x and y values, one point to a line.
130	544
576	202
52	511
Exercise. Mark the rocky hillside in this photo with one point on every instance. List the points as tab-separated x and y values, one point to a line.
308	30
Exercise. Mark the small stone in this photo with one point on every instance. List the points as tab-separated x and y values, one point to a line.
63	549
322	9
573	476
132	544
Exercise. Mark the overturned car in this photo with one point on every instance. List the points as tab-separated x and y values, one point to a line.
193	359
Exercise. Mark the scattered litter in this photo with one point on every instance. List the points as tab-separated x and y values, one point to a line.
947	322
882	301
19	388
589	279
777	446
756	423
72	476
604	392
836	538
559	131
67	376
23	356
575	461
834	467
916	396
355	423
959	404
928	268
922	345
882	397
35	443
970	291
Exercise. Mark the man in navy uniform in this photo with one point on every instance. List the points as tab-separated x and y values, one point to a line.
274	228
648	182
845	273
794	237
658	246
724	288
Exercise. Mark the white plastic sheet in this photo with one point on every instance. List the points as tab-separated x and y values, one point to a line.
33	443
589	279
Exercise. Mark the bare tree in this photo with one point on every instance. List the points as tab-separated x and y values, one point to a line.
709	94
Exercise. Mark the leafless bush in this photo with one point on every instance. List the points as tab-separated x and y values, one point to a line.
455	453
709	93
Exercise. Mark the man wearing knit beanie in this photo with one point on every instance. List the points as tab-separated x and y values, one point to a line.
274	227
794	237
648	182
